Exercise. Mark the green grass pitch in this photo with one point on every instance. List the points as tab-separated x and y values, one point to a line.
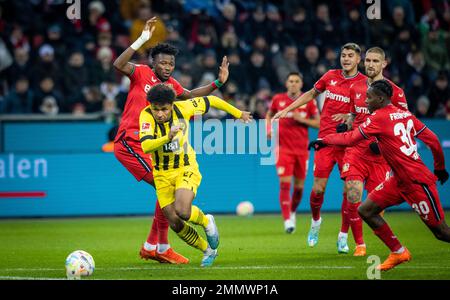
250	248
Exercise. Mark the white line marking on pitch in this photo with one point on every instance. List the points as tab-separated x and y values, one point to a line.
185	268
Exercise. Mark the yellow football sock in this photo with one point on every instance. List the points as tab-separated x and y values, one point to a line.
198	217
192	238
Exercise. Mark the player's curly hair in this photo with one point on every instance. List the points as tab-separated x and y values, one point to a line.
382	87
164	48
161	94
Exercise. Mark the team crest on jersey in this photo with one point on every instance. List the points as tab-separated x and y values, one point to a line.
358	96
333	82
280	170
345	167
282	103
145	126
379	187
367	123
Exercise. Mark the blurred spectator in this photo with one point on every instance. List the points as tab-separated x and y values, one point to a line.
102	69
47	66
435	51
96	22
236	68
49	106
47	95
204	41
92	99
260	110
415	78
258	72
286	62
422	107
20	99
357	29
326	28
18	39
76	77
298	28
309	66
54	39
257	25
439	96
405	5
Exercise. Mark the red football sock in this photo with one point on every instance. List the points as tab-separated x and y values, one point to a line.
315	201
285	199
355	222
344	214
296	199
153	235
163	225
385	233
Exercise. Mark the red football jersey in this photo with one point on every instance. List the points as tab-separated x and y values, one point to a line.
395	130
142	79
337	97
359	109
293	136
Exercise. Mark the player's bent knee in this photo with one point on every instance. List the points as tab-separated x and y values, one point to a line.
363	211
182	212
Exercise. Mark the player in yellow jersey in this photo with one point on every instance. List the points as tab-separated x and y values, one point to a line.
164	127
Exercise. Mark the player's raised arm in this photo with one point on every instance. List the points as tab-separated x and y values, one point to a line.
208	89
122	63
303	99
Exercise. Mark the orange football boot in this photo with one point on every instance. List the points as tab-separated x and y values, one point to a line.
394	259
172	257
150	254
360	250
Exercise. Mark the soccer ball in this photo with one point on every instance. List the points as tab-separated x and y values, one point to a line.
245	209
79	263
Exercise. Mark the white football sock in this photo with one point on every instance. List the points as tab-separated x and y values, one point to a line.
342	235
401	250
316	223
149	247
163	248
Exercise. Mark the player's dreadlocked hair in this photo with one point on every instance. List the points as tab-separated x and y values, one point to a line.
161	94
164	48
383	88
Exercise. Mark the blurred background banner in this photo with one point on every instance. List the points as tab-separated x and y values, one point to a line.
59	169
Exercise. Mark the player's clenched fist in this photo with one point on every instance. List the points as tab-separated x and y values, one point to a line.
174	130
316	144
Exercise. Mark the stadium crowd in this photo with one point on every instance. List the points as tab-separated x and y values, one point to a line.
50	64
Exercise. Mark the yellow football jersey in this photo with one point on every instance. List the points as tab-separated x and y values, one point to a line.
178	152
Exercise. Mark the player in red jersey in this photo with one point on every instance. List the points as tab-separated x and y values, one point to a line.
127	147
373	169
335	84
413	182
292	148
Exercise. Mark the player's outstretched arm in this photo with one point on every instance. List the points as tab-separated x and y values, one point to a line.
218	103
208	89
303	99
348	138
122	63
432	141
